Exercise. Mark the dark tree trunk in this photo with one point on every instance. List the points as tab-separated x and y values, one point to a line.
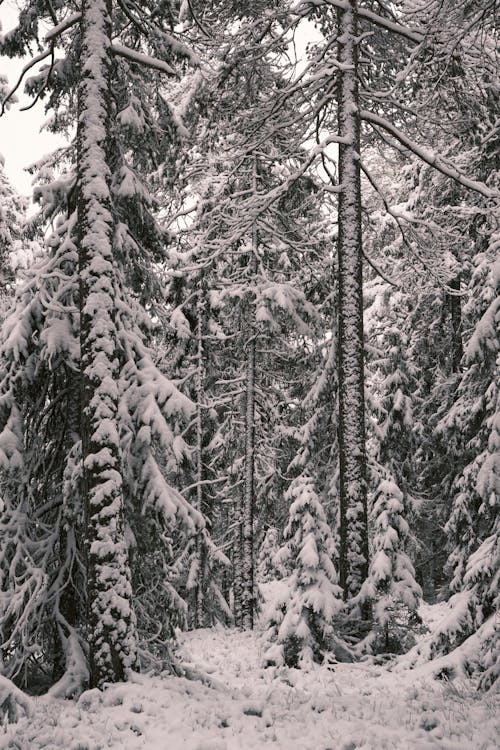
248	511
198	593
247	568
352	442
70	573
455	305
238	564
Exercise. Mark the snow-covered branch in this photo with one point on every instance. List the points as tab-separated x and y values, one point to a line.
413	35
62	27
27	67
430	157
142	59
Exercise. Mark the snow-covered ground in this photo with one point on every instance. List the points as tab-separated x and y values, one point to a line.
241	706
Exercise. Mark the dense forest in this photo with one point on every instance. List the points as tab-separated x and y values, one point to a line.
250	337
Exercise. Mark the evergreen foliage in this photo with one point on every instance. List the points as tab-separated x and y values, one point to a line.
391	577
180	338
301	619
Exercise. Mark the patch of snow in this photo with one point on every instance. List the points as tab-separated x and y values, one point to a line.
240	706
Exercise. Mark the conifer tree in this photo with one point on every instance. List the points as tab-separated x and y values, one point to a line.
12	215
301	619
246	245
87	417
268	568
391	577
355	99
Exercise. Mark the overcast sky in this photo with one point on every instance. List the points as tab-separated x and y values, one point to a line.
21	141
22	138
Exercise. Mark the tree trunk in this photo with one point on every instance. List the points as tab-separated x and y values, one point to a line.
198	503
455	304
249	489
111	621
248	583
352	441
238	563
69	544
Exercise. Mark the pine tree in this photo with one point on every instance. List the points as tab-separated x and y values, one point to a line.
246	245
12	215
352	440
472	527
343	114
268	568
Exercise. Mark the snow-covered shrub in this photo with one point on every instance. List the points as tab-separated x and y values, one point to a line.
299	620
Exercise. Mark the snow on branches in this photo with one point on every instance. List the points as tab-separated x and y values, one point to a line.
301	618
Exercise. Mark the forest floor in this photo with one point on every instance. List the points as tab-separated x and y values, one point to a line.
241	706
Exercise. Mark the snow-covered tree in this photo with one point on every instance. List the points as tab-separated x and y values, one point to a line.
12	216
251	249
472	527
90	428
301	620
391	577
268	567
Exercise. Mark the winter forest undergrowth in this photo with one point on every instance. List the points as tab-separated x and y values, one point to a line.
250	377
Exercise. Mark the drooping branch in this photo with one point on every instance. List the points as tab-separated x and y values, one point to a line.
428	156
27	67
413	35
62	27
142	59
45	83
379	271
397	218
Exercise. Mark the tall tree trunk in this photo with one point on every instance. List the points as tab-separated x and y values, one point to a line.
352	441
248	583
111	621
198	593
238	562
69	544
455	304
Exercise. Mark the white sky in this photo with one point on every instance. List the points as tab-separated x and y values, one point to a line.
21	141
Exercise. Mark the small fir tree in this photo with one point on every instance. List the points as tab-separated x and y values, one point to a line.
391	577
301	618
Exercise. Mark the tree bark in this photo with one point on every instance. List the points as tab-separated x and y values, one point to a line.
248	583
455	304
111	621
352	441
69	545
249	490
198	593
238	563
